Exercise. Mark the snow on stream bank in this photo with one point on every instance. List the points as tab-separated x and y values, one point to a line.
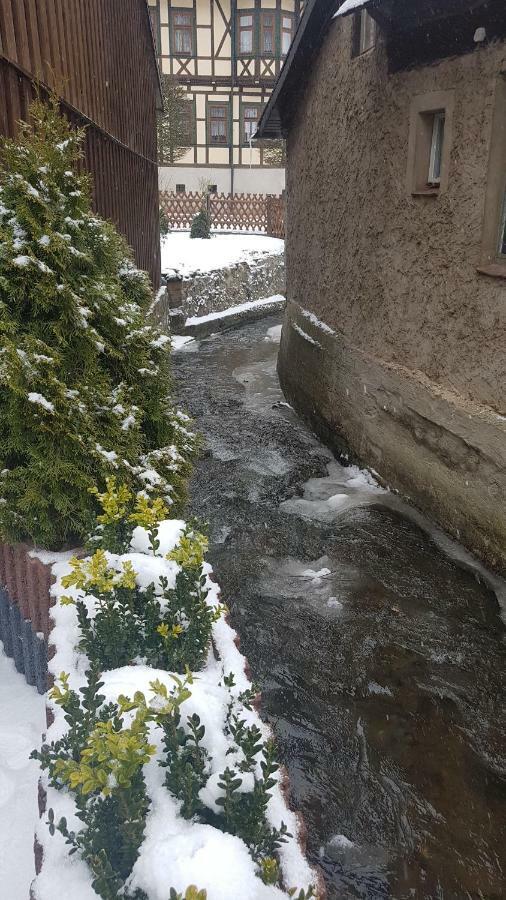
22	721
184	256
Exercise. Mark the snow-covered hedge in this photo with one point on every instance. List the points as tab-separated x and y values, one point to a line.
84	376
160	783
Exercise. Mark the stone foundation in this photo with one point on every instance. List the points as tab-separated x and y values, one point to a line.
443	452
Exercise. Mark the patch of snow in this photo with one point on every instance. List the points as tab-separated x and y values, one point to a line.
276	300
48	557
305	336
334	603
341	841
184	256
41	401
374	688
160	341
349	6
21	261
325	499
316	321
22	714
274	334
180	340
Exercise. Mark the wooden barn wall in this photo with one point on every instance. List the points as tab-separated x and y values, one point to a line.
97	55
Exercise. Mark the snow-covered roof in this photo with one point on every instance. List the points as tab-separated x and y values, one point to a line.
350	6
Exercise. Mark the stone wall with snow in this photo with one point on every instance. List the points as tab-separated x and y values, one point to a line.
207	276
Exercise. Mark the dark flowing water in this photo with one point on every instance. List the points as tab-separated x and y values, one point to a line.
380	655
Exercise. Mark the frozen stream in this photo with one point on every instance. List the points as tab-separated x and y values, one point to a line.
380	657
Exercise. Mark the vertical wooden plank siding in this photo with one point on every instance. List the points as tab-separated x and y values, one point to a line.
98	56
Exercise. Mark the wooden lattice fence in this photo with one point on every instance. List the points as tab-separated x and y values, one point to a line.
228	212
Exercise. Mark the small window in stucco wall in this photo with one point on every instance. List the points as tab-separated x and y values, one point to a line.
430	138
493	252
363	37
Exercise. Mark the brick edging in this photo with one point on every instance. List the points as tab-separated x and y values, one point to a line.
25	601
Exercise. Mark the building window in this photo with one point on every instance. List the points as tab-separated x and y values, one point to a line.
245	33
287	23
182	32
364	33
212	189
430	137
187	131
250	119
267	33
436	149
218	123
180	189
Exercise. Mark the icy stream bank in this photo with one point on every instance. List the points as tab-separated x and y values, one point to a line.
381	658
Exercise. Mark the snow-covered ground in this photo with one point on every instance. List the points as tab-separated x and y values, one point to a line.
22	721
186	257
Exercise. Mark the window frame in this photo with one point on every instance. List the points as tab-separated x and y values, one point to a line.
251	13
436	148
247	105
214	105
424	110
283	31
273	14
186	29
191	111
359	33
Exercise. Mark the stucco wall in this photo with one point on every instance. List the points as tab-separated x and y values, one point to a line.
396	274
411	375
246	180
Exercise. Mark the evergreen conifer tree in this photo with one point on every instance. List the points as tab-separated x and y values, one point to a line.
84	376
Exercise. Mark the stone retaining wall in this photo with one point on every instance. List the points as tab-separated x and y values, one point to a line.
209	292
443	452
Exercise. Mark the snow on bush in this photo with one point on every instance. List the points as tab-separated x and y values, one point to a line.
162	781
84	378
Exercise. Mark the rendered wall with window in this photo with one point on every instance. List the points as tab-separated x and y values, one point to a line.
396	182
404	250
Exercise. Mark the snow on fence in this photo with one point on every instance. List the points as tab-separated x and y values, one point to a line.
232	212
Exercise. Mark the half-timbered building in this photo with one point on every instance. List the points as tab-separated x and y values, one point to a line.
227	54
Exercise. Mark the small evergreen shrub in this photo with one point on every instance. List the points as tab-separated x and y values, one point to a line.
164	223
240	812
84	377
100	761
201	225
168	627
